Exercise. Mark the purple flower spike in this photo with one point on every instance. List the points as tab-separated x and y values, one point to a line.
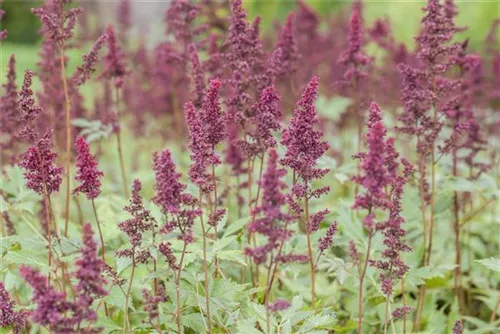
87	173
85	71
29	111
211	114
279	305
8	316
303	142
90	267
41	173
114	60
327	241
168	186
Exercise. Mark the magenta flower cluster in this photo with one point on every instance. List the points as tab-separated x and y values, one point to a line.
41	172
87	172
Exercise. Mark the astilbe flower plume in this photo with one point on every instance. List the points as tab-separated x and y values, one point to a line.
382	185
3	33
90	286
58	22
114	60
302	141
134	227
287	44
179	18
353	57
41	172
265	118
326	242
374	176
152	302
87	172
466	134
52	308
202	154
168	186
438	30
271	222
9	119
198	79
243	56
211	114
28	110
85	71
182	208
303	149
8	316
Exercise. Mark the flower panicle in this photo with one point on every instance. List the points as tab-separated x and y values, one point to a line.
87	172
85	71
9	317
41	172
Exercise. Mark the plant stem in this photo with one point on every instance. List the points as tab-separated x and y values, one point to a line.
386	317
68	137
310	253
458	253
103	249
216	200
127	295
49	233
403	294
178	290
361	281
119	144
205	267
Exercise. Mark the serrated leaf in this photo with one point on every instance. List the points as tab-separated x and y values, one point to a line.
247	326
232	255
117	298
491	263
122	263
80	122
236	226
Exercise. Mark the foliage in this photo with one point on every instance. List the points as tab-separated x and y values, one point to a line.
327	178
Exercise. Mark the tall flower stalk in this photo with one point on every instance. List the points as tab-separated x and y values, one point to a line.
422	91
89	177
304	148
114	69
180	210
58	23
202	156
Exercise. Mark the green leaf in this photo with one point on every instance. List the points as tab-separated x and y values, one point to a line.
193	321
116	297
236	226
491	263
232	255
122	263
108	325
247	326
223	242
80	122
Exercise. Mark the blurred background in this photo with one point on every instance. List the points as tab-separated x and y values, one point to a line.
147	19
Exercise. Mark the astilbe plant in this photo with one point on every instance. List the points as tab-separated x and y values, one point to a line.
304	147
9	118
180	210
9	317
58	23
381	192
247	256
53	309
